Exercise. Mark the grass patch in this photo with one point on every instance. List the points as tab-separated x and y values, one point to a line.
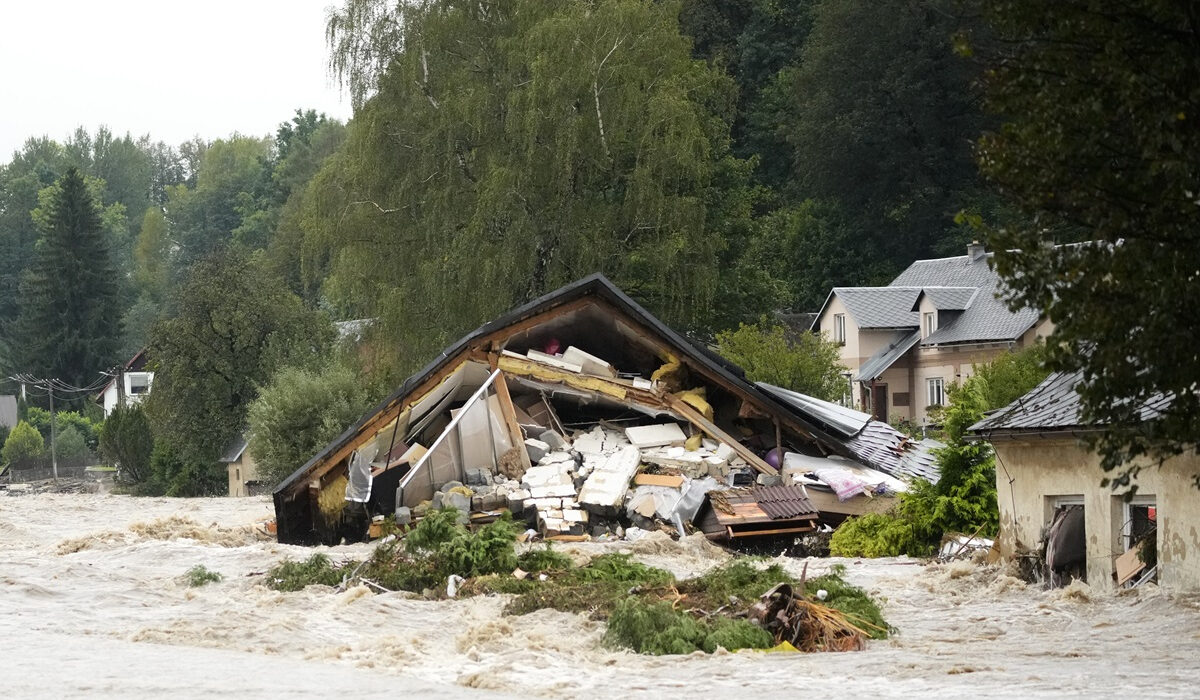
198	576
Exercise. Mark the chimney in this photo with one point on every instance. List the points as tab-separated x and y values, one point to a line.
975	251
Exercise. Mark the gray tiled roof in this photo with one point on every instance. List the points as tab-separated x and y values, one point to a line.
1051	405
950	298
880	361
880	307
233	451
986	318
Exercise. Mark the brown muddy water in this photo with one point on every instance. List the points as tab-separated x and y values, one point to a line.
92	604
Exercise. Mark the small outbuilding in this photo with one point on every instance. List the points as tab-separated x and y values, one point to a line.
1052	503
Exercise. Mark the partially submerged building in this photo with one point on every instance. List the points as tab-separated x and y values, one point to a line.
579	409
906	343
1052	503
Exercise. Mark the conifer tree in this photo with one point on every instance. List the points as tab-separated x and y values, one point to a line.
69	327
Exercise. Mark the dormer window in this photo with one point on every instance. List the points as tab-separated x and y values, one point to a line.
928	323
839	329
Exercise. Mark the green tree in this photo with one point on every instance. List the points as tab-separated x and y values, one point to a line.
70	317
69	446
1100	142
235	326
508	151
300	412
23	446
127	443
803	362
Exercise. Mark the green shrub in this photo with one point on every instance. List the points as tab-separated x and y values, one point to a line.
198	576
657	628
300	411
291	575
70	445
126	442
543	559
620	568
23	447
876	535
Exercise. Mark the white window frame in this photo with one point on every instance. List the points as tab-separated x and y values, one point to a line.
839	329
928	323
848	396
932	385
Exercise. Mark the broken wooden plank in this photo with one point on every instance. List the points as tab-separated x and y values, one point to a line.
672	481
509	412
711	429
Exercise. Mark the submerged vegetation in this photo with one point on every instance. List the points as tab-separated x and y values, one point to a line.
199	575
646	609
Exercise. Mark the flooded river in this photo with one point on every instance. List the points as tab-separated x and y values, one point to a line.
92	604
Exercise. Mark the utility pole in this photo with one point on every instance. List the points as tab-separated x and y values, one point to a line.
53	435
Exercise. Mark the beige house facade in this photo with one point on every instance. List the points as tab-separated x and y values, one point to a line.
905	344
243	472
1044	468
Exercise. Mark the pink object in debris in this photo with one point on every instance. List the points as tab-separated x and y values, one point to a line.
552	346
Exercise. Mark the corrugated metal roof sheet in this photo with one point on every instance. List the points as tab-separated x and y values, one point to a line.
882	447
878	363
840	419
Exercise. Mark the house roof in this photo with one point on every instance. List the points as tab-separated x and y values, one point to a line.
880	307
878	363
985	318
947	298
1051	406
233	451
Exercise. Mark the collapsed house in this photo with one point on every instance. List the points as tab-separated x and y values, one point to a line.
587	416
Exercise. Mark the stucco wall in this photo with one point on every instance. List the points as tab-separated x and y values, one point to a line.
1041	469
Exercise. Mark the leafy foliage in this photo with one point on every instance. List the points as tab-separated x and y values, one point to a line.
805	362
500	185
126	441
233	329
299	412
23	446
199	575
296	575
543	559
1099	141
657	628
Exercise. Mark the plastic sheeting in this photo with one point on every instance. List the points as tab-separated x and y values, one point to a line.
358	488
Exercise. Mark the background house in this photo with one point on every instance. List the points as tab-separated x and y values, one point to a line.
1046	478
8	411
130	385
906	343
243	472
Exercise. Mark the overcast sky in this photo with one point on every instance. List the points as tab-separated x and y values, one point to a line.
171	69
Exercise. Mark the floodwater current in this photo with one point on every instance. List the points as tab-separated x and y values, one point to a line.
93	604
